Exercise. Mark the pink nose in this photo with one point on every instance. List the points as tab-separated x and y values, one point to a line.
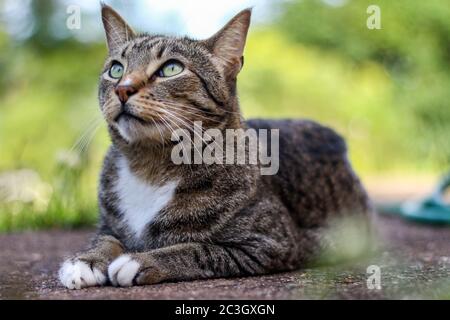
130	85
124	92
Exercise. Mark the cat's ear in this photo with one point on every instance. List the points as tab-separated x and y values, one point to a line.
229	42
117	30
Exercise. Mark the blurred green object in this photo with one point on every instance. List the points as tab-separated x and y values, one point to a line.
432	209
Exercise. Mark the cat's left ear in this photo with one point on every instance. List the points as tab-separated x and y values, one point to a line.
118	32
228	44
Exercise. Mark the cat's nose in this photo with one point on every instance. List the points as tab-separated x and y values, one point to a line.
125	92
129	86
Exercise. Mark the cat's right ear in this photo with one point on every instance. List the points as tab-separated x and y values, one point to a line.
118	32
229	42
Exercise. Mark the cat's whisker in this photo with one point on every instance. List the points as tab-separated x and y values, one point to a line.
178	116
174	107
86	135
168	126
160	133
180	105
169	107
203	130
222	110
88	141
195	132
197	114
182	145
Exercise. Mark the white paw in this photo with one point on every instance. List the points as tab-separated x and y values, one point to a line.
122	271
77	274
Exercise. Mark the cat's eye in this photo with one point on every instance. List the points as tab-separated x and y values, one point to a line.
170	69
116	70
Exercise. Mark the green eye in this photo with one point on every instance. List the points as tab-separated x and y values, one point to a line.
170	69
116	70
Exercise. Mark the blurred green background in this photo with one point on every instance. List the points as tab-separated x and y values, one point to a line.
387	91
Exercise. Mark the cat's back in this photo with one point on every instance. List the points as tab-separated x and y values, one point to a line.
305	136
315	178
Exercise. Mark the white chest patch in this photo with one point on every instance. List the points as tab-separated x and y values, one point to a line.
139	201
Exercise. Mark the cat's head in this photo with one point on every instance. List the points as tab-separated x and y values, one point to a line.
153	84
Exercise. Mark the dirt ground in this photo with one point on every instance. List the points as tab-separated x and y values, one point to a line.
415	263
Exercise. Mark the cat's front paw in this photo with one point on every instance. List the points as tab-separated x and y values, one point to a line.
123	271
135	269
78	274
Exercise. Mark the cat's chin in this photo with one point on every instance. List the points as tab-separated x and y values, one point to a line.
133	131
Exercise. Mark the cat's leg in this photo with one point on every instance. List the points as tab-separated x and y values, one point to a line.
89	268
189	261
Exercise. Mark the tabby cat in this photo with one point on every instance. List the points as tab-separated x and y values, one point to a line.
165	222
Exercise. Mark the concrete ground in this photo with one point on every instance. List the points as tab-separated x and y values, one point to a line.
415	263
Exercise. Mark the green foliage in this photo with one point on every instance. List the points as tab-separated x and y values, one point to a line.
300	81
51	104
412	47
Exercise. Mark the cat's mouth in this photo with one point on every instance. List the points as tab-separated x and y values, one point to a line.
126	115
